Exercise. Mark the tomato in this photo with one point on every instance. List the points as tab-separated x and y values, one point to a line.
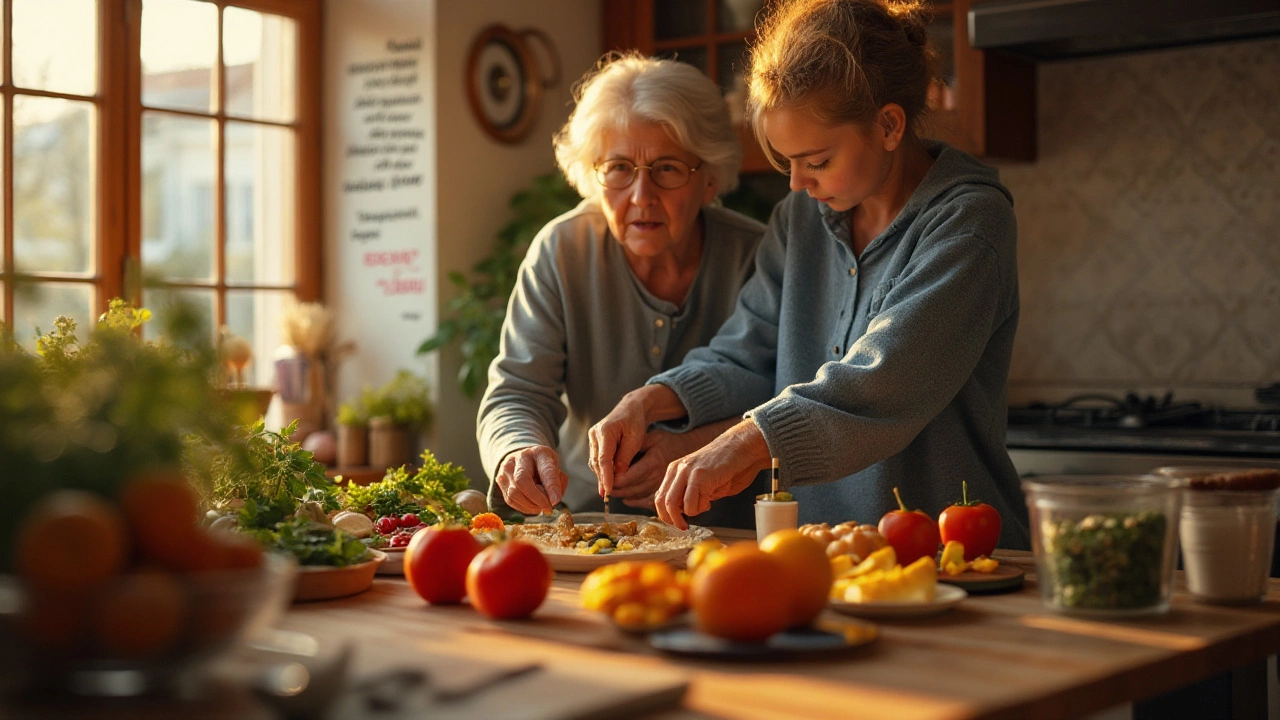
912	533
975	524
387	524
436	563
409	520
508	580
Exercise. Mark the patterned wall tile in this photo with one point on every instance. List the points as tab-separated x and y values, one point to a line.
1149	230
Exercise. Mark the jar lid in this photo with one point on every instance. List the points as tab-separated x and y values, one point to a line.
1238	479
1094	485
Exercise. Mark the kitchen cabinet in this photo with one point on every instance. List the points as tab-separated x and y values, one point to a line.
985	106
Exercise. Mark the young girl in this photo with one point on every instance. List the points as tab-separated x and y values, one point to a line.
871	348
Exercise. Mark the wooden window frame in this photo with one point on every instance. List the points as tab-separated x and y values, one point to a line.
118	141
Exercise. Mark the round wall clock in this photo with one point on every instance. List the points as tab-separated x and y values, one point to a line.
503	85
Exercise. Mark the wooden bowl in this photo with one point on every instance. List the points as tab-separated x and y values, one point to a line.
326	583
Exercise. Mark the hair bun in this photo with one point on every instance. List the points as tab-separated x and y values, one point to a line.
916	33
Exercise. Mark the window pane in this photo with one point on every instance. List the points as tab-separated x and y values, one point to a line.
178	169
260	204
160	301
55	45
179	51
37	304
259	53
679	18
736	15
255	316
53	187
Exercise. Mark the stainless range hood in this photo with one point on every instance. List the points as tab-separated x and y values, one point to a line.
1061	29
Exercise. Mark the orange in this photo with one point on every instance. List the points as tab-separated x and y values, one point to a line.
743	596
72	542
808	572
161	509
140	615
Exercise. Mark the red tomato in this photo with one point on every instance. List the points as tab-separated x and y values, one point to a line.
387	524
508	580
976	524
436	563
912	533
409	520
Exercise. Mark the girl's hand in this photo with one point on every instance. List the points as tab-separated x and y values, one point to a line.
531	479
726	466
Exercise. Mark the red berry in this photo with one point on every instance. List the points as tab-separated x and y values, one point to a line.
387	524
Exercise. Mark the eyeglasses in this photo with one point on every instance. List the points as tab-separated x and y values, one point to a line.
670	174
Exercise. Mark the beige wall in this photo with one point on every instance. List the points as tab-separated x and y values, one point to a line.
470	179
1149	229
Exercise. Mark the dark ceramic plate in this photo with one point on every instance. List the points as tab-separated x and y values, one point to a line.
826	637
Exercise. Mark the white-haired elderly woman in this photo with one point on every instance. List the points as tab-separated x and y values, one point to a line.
619	289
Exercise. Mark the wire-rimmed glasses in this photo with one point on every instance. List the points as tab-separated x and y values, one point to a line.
668	173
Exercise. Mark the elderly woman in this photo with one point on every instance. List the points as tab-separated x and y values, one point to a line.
644	270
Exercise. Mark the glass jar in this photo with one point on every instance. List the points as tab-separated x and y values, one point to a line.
1228	530
1105	545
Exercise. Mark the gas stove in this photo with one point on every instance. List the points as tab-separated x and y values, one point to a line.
1147	424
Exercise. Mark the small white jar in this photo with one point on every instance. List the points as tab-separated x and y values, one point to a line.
1228	530
775	515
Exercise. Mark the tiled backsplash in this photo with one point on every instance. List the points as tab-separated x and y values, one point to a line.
1149	229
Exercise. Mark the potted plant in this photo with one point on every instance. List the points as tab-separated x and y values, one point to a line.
397	412
353	434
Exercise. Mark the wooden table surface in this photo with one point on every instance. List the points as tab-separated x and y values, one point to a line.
993	656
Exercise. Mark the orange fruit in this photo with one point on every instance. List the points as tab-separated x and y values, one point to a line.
808	572
72	542
742	596
140	615
55	623
161	509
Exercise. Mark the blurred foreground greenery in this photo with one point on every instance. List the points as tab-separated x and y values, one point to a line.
92	412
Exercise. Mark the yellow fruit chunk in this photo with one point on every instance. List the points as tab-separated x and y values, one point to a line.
917	582
952	554
984	564
883	559
703	550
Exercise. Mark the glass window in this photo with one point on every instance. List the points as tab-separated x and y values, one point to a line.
53	185
179	52
258	52
178	170
55	45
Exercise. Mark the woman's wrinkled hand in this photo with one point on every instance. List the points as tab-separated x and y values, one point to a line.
660	449
615	440
531	479
725	466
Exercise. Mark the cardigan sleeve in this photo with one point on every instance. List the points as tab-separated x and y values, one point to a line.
522	406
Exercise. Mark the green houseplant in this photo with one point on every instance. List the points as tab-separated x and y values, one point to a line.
474	317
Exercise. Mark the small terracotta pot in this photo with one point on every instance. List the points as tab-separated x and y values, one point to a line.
388	444
353	445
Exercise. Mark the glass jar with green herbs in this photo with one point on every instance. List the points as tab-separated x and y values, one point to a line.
1105	545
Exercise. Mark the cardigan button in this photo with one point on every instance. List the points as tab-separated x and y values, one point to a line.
659	322
656	350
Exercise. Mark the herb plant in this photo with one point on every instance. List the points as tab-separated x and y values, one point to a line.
428	492
312	543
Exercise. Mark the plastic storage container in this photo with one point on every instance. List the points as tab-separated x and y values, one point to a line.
1105	545
1227	530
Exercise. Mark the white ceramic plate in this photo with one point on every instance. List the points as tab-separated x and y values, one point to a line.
394	564
945	598
570	560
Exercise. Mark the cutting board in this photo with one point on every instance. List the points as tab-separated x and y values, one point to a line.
1005	578
553	692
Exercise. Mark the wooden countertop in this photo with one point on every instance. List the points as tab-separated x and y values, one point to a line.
994	656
